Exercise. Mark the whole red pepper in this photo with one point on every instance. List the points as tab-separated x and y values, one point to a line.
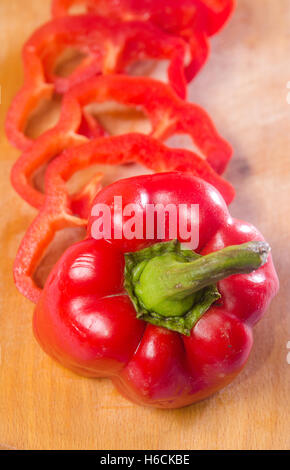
169	326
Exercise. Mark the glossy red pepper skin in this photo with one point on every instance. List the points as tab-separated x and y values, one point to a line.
86	321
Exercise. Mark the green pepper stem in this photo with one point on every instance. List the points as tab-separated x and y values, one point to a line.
187	278
169	285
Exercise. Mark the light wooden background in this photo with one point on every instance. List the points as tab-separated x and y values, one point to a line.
43	406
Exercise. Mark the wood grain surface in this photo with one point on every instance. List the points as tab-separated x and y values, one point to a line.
42	405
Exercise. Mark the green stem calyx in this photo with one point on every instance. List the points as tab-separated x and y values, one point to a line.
172	287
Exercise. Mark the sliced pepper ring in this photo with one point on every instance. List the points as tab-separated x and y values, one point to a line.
54	216
167	113
60	210
177	17
110	47
191	20
130	148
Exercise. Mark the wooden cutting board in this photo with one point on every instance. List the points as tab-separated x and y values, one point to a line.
42	405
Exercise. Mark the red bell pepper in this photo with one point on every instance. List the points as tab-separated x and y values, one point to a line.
169	326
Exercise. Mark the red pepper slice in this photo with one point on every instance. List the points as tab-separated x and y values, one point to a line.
127	149
54	216
192	20
167	113
110	47
178	17
59	210
218	12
